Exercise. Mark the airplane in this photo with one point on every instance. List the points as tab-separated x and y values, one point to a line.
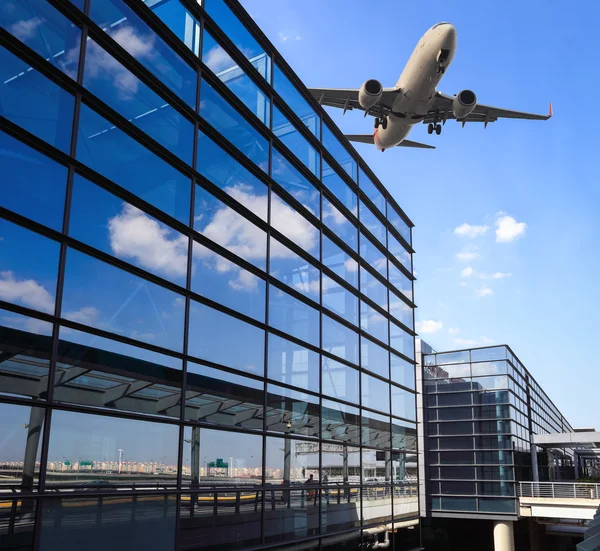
415	98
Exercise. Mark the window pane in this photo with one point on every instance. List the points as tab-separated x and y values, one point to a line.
339	188
89	445
34	102
291	411
339	152
103	296
45	30
32	184
294	183
340	422
339	262
129	31
233	127
220	63
27	279
375	429
375	393
487	505
288	461
294	226
374	257
402	341
337	222
293	364
295	141
340	340
373	322
401	282
339	381
179	20
115	155
293	270
375	358
403	372
489	354
340	300
399	223
401	311
399	252
404	435
116	227
372	223
371	191
210	338
372	288
293	316
226	227
102	373
403	403
489	368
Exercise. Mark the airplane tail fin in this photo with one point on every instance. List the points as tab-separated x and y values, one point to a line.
368	138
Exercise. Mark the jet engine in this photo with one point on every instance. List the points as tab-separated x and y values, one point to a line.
464	103
370	93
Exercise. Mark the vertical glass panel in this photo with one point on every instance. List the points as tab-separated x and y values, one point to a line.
290	461
340	153
340	300
127	29
341	465
35	103
103	296
222	398
342	264
373	256
233	127
399	223
339	188
226	227
114	84
27	279
373	322
219	279
120	158
240	36
372	223
403	403
211	334
340	422
374	358
294	226
179	20
372	288
399	252
297	515
400	310
339	380
98	449
32	184
404	435
402	341
293	270
337	222
292	411
294	183
116	227
339	340
227	70
292	316
45	30
375	393
401	282
367	185
295	141
375	429
489	354
293	364
102	373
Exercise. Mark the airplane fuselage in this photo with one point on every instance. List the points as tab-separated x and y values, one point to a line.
417	84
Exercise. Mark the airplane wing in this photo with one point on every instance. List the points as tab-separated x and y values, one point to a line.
368	138
442	105
347	99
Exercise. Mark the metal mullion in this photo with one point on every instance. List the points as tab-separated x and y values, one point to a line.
332	236
388	316
296	120
332	198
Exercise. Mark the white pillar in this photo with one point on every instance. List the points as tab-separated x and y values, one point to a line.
504	538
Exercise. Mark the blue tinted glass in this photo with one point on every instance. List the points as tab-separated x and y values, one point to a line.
295	141
112	225
78	3
45	30
371	191
340	340
339	224
135	36
374	358
295	101
401	311
371	287
339	380
339	188
232	126
179	20
220	63
293	364
293	270
294	317
32	184
221	224
103	296
372	223
399	252
339	300
399	223
294	226
339	152
225	340
219	279
339	262
373	322
375	393
105	77
294	183
341	422
375	430
403	403
402	341
240	36
373	255
224	171
401	282
29	278
115	155
34	102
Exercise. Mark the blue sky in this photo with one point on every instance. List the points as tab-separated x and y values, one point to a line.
542	174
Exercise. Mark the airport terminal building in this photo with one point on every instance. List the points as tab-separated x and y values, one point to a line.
206	296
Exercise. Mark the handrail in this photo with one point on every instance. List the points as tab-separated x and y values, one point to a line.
559	490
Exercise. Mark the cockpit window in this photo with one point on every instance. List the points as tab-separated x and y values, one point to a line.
439	24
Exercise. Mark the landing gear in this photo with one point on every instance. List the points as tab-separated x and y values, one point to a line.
383	122
441	69
437	128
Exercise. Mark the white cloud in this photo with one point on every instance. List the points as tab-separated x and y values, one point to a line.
463	283
26	292
486	341
32	325
481	341
467	272
282	36
218	59
148	337
311	287
467	230
26	28
466	256
500	275
508	229
88	315
285	36
484	291
453	330
429	326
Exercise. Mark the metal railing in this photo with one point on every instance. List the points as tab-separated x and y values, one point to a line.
559	490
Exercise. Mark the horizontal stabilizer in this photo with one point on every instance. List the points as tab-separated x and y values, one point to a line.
368	138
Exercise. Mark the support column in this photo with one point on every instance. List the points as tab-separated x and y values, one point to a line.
504	538
34	429
195	456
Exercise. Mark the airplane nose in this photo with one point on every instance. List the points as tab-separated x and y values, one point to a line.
449	36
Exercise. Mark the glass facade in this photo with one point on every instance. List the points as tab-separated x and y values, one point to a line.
198	277
480	410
